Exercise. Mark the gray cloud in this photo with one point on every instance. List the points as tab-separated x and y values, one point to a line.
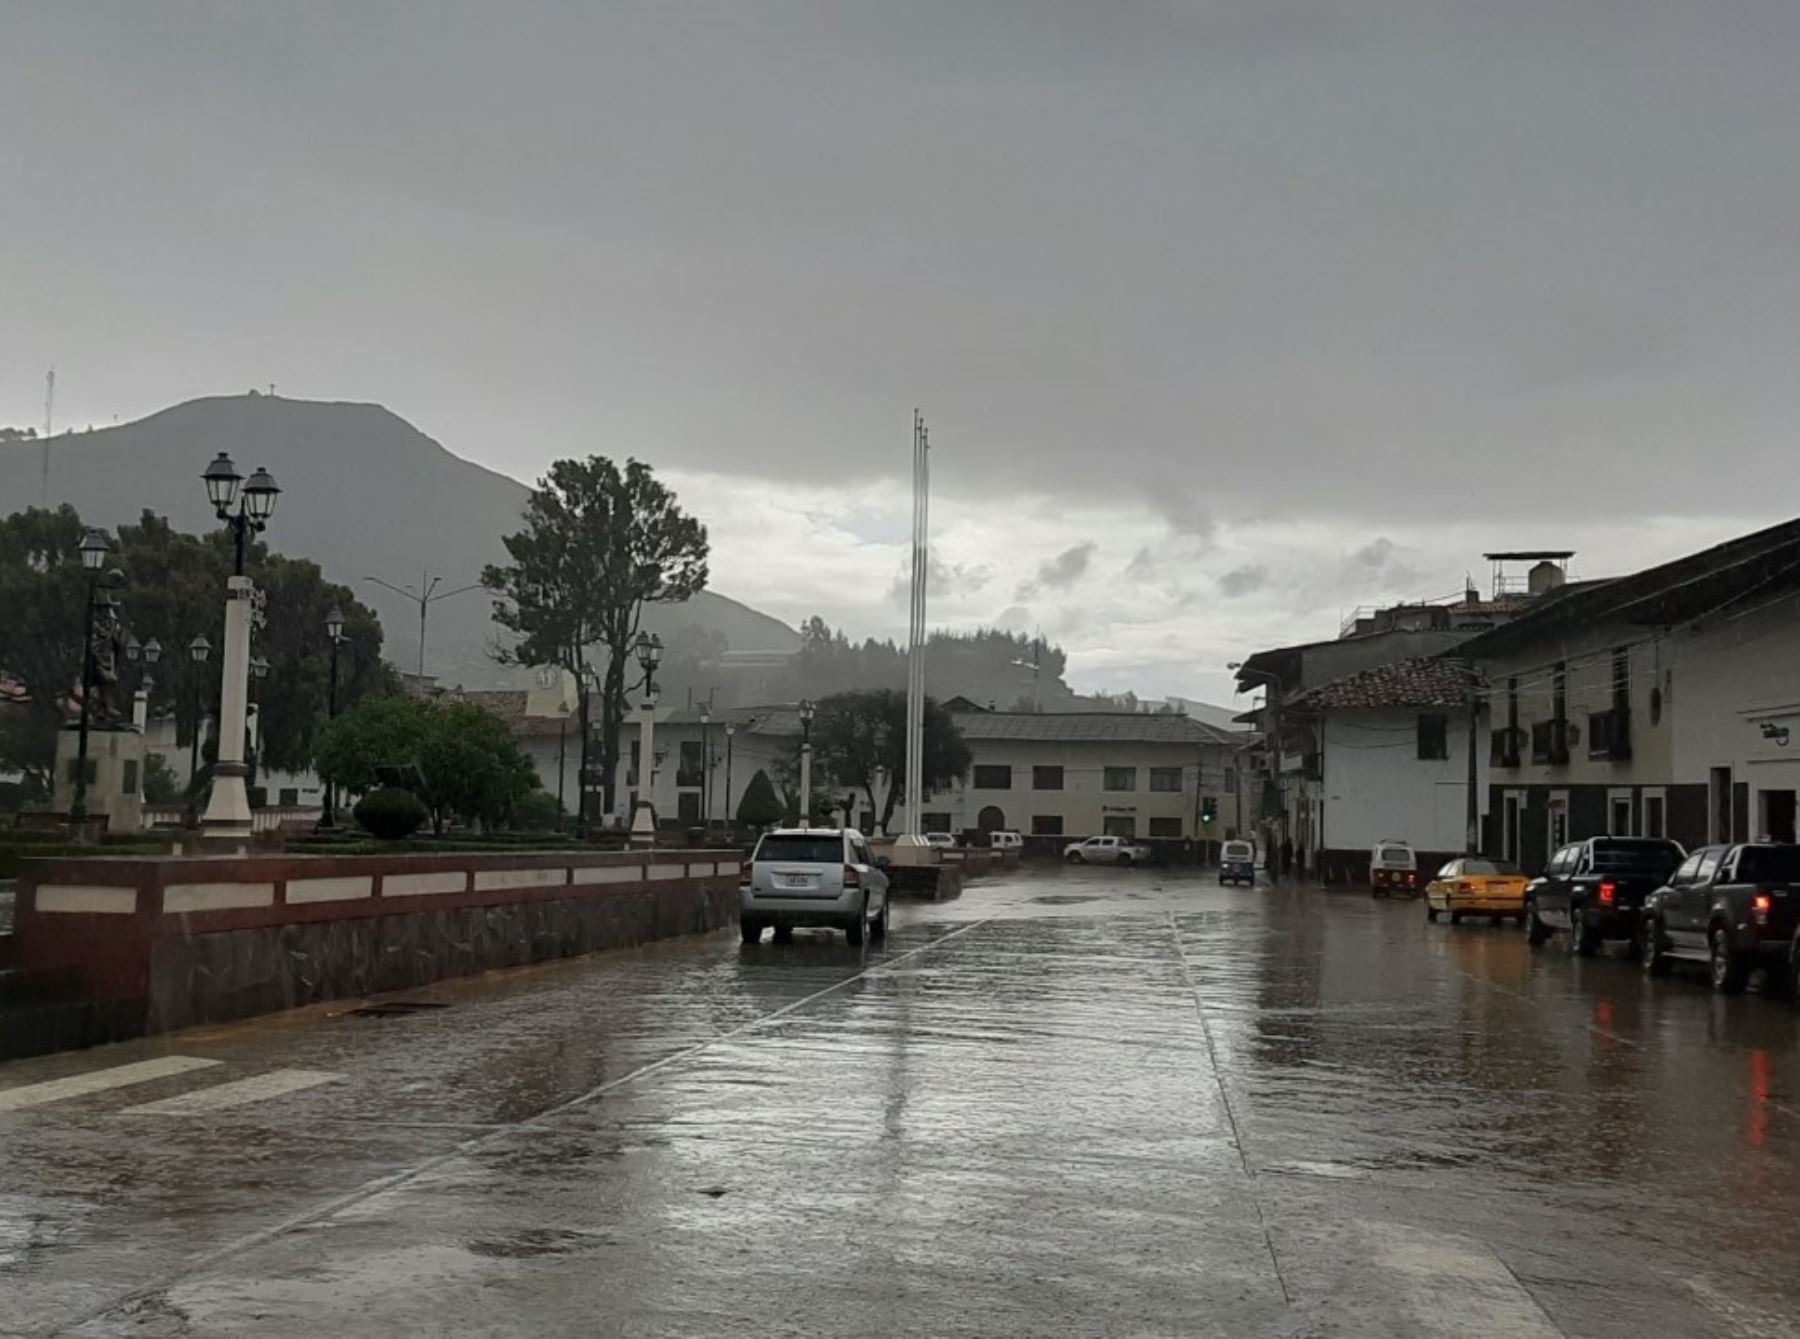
1241	581
945	579
1295	288
1380	564
1060	572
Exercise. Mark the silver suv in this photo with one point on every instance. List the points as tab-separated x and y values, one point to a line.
814	876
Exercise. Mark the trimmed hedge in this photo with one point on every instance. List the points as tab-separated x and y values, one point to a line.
391	813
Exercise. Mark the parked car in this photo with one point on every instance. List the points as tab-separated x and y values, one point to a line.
1477	887
1107	851
1237	863
1006	841
941	840
814	876
1735	908
1594	890
1393	868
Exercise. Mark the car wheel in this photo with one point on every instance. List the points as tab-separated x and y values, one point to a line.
1074	857
784	934
750	930
1536	932
854	931
1650	948
1729	971
878	927
1430	912
1582	941
1125	858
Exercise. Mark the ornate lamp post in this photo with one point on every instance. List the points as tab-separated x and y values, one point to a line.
730	730
93	549
584	776
705	763
643	819
334	633
149	652
254	503
198	650
806	719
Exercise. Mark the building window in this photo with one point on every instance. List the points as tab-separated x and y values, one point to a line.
1231	781
690	770
1166	779
1121	778
1165	827
1046	825
990	776
128	783
1653	816
1434	737
937	822
1047	778
1120	825
290	797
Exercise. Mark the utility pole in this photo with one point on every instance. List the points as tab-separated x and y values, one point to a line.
425	596
915	664
1473	842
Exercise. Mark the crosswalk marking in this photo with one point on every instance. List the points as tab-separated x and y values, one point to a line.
221	1096
98	1081
1456	1285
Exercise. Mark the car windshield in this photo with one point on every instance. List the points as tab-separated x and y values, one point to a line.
1769	864
802	850
1490	867
1237	850
1396	853
1620	856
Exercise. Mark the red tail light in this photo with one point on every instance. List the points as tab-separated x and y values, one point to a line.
1411	879
1609	893
1761	902
852	877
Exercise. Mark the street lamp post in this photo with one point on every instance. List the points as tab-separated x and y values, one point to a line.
806	719
93	549
149	652
705	764
584	774
198	650
245	511
730	730
334	633
562	759
643	818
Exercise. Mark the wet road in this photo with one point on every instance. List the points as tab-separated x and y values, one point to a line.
1072	1103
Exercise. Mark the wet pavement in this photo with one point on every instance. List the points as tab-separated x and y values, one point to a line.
1071	1103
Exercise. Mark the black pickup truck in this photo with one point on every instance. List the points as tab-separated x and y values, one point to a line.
1735	908
1593	890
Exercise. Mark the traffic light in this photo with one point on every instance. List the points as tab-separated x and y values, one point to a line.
1209	809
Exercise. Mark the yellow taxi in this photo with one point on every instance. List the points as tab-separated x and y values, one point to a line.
1477	887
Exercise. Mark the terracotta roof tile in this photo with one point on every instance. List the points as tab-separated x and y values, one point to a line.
1426	681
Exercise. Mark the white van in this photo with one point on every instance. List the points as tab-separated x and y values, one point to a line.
1006	841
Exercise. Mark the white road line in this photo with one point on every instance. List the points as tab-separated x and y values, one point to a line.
98	1081
261	1087
1453	1284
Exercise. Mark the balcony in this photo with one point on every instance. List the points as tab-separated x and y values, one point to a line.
1609	734
1550	742
1503	747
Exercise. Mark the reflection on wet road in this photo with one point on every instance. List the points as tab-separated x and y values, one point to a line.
1072	1103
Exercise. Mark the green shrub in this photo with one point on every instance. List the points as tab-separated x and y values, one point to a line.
536	811
759	806
391	813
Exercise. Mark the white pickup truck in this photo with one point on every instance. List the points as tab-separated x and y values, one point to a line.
1107	851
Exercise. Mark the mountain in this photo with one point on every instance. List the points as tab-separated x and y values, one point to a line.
364	494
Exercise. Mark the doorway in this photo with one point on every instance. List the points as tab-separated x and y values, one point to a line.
1510	846
1776	808
990	819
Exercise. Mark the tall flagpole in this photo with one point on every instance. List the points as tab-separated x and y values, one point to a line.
915	675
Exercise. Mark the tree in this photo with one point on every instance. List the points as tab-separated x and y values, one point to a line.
598	544
174	590
463	760
161	784
759	805
856	733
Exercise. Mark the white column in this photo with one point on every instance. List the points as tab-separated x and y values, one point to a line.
140	718
229	808
806	785
643	818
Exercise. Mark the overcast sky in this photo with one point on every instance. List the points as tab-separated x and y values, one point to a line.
1226	316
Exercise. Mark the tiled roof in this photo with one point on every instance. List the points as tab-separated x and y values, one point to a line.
1435	681
1083	727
